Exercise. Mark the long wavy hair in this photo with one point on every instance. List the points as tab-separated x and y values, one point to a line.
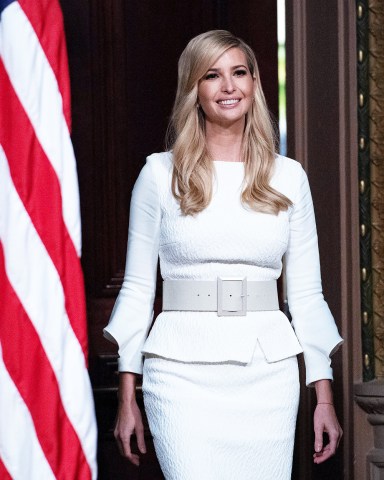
192	165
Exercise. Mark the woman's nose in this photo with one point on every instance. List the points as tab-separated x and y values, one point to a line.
228	84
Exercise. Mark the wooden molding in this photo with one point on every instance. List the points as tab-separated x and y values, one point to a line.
376	130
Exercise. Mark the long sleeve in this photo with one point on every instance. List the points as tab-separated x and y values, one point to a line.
313	322
133	311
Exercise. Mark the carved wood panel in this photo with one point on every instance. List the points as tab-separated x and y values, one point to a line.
376	131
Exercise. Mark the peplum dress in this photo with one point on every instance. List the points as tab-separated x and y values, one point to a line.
221	393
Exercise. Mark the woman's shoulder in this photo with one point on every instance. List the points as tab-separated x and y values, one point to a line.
156	174
157	168
288	165
288	176
160	162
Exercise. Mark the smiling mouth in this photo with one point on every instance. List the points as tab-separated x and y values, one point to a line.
231	101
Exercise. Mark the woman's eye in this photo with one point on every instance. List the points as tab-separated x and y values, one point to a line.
210	76
241	72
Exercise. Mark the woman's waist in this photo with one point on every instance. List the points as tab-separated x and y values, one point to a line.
212	270
227	296
203	336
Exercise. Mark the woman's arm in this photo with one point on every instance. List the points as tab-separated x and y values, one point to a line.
325	421
129	421
311	318
133	311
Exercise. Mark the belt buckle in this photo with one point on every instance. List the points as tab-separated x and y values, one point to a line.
221	311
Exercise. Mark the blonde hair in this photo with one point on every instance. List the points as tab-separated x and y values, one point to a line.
192	166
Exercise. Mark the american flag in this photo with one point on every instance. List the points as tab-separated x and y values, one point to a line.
47	420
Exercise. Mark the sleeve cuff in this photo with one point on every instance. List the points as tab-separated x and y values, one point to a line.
318	367
129	366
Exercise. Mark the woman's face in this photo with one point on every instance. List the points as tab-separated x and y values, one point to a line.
225	93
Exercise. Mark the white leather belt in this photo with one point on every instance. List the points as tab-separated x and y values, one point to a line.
226	295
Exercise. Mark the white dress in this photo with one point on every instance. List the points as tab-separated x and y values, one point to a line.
221	393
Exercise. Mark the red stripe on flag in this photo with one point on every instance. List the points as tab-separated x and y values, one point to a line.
47	20
35	379
4	475
39	189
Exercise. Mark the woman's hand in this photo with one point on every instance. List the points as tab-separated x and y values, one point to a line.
325	421
129	419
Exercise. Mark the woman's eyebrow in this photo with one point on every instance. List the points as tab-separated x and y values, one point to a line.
233	68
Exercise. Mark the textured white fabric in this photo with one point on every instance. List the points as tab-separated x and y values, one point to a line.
226	239
222	421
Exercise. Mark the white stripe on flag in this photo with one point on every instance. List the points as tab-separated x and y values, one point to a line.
40	292
37	89
20	449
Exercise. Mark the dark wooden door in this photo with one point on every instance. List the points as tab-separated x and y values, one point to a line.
123	64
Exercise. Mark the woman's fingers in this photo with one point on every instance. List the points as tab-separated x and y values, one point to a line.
318	438
335	435
124	445
129	422
325	421
140	438
325	454
330	449
339	436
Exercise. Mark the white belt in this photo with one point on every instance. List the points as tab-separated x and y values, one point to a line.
226	295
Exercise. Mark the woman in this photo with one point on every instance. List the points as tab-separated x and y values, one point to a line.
220	381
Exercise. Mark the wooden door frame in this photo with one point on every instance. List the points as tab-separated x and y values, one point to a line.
334	78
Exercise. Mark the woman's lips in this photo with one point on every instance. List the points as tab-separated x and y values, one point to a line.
229	101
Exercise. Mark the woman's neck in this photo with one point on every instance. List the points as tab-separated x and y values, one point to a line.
224	143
